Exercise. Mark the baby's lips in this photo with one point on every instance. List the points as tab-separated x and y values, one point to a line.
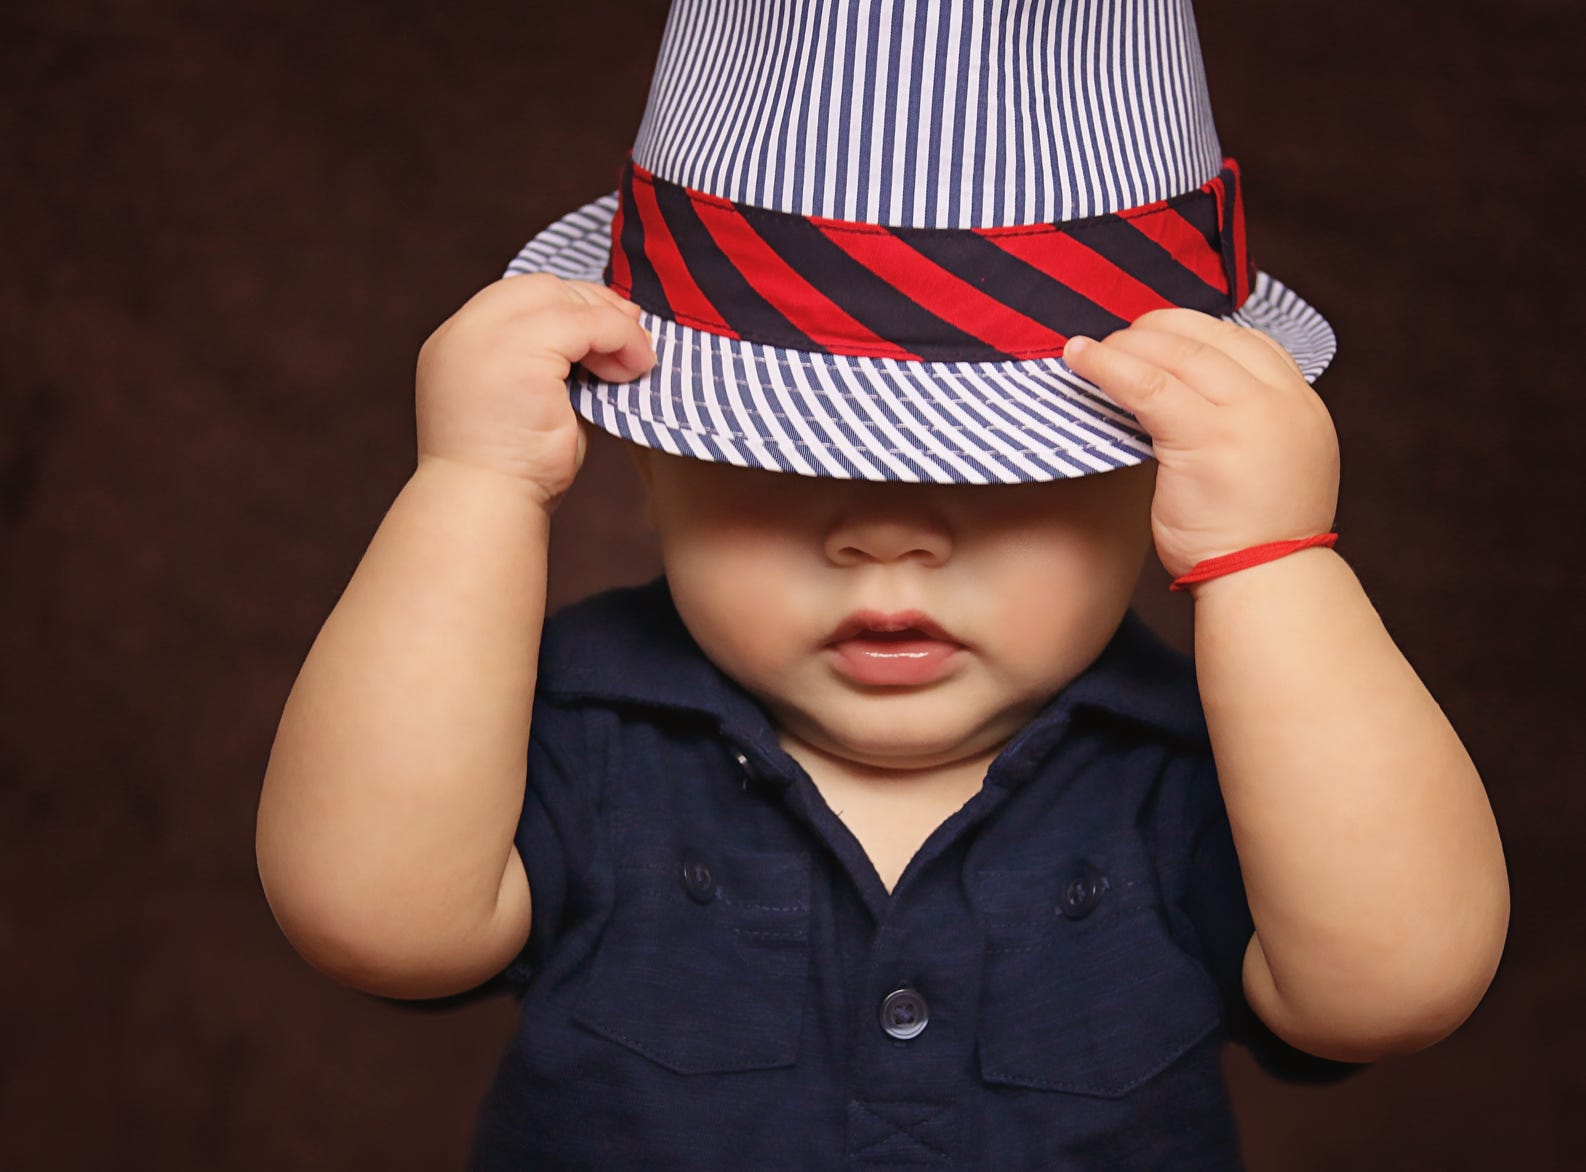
862	621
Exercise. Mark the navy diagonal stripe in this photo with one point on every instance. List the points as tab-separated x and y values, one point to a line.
1230	260
879	306
1201	214
1151	264
647	289
1012	281
749	314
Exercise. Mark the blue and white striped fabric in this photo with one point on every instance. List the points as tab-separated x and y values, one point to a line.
908	113
952	114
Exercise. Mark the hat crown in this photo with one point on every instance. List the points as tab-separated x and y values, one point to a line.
932	113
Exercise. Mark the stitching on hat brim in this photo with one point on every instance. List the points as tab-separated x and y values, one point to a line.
976	453
1109	416
1078	391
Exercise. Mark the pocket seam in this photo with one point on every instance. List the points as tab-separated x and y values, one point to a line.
785	1057
1174	1051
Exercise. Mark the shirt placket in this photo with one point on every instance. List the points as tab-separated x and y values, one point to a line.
912	1019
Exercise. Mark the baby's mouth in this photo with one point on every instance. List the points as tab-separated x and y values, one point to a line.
901	627
892	650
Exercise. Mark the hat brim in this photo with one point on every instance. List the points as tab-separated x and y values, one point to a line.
732	401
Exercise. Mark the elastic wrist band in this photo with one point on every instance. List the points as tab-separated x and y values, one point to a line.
1244	558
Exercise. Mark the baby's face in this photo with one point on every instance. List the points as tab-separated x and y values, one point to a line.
1005	594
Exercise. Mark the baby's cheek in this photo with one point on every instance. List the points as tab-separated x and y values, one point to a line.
1046	634
735	615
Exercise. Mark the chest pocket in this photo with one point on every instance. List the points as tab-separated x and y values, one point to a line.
1085	990
704	964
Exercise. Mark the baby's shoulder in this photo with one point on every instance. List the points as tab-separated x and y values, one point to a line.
614	633
627	649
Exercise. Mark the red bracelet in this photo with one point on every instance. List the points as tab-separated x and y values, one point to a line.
1243	558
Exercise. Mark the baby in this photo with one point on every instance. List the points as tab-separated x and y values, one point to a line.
878	832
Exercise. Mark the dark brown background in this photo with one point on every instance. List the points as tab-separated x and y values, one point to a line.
228	227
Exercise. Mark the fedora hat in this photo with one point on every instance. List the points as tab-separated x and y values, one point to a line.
862	231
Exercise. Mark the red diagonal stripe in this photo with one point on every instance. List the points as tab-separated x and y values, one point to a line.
621	274
1236	239
810	310
1082	269
943	293
689	303
1181	238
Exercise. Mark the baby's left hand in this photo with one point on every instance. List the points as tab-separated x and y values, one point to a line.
1246	450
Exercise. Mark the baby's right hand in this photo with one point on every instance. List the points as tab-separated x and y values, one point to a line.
492	378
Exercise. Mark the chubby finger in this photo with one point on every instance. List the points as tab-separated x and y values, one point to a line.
521	293
609	295
1285	360
577	328
614	355
618	347
1165	407
1258	353
1199	364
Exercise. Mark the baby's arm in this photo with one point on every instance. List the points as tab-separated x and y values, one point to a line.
385	826
1371	858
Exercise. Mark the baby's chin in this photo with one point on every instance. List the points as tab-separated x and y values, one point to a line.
904	745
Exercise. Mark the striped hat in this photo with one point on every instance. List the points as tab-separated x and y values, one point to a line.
862	231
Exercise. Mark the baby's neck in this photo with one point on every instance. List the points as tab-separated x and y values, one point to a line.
890	811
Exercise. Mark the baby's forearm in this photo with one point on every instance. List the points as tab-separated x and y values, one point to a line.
396	777
1371	858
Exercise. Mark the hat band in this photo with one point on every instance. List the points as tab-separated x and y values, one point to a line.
922	294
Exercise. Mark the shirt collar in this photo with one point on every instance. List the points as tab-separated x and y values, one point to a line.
629	646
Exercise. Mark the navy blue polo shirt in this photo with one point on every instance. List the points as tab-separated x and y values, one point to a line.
717	978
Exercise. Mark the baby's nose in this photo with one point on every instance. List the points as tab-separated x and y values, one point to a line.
888	535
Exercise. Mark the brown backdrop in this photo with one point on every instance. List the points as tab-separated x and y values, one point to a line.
228	226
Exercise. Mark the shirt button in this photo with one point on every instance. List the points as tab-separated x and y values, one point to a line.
1081	892
904	1014
697	878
